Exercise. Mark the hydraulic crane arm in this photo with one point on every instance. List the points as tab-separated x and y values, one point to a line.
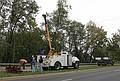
47	34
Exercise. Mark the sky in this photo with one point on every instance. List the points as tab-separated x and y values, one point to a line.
104	13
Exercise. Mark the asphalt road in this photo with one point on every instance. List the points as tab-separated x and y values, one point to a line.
100	74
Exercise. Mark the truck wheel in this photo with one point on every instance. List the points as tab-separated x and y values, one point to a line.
57	65
76	65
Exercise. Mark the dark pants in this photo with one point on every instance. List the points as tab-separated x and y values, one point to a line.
23	66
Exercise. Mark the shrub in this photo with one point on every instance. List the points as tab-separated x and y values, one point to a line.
13	69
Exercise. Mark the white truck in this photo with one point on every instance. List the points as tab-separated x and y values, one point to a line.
63	60
55	59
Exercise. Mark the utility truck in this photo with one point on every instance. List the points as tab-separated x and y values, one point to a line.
55	59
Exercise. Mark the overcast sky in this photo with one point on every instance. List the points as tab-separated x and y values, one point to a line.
104	13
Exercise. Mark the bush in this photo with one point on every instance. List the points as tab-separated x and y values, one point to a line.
13	69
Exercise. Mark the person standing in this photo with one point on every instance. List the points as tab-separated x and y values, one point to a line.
33	64
41	64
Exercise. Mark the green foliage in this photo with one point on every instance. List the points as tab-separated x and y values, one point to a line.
58	23
95	40
75	38
20	37
17	26
114	46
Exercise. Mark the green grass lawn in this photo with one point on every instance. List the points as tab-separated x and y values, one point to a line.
84	67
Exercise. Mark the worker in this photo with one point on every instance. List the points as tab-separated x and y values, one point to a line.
41	64
23	62
33	64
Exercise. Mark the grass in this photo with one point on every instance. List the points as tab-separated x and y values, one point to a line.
6	74
84	67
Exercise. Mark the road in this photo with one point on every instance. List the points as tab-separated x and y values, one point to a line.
100	74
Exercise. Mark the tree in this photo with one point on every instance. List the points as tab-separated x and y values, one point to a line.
95	40
29	43
4	11
114	46
17	16
58	23
75	38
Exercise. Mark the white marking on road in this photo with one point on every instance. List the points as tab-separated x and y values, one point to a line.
117	70
66	80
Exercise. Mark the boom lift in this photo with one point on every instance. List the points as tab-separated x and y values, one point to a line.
55	59
47	35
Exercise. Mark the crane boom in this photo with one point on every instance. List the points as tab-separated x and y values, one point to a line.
47	34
